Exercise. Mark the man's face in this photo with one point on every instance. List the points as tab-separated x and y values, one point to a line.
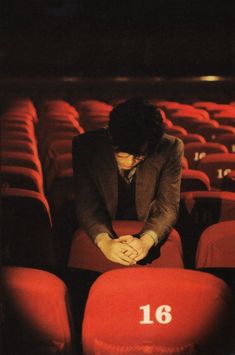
127	161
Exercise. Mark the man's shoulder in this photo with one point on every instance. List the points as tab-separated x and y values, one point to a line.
169	140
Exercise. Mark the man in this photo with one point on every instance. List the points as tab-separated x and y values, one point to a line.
129	170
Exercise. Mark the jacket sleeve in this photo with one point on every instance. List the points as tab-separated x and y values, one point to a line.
90	208
163	211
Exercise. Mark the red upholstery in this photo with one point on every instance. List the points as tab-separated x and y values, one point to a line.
36	311
191	112
211	133
15	145
216	247
194	180
157	311
217	166
191	137
21	177
228	139
85	255
198	210
26	238
186	122
175	130
195	151
229	181
21	159
226	117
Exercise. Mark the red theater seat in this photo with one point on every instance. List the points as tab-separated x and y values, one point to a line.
227	139
194	180
216	247
26	235
175	130
199	210
21	177
25	160
229	181
158	311
17	145
225	117
191	137
217	166
212	133
186	122
195	151
85	255
37	313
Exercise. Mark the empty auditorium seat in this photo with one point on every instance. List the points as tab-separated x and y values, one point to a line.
227	139
158	311
216	247
25	160
194	180
17	145
229	181
212	133
191	137
27	238
37	313
225	117
199	210
175	130
195	151
21	177
84	253
217	166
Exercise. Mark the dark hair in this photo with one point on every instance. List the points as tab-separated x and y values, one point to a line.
135	124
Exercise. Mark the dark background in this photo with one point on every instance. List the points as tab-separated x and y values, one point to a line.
101	38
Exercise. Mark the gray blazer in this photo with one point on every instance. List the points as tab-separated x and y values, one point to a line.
96	184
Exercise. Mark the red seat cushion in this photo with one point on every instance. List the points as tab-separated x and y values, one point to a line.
216	247
85	254
157	311
37	312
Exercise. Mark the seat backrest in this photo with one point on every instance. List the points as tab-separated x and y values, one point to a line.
227	139
217	166
37	312
194	180
212	133
199	210
26	235
21	177
216	247
152	311
195	151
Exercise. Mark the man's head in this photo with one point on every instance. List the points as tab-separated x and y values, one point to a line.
136	127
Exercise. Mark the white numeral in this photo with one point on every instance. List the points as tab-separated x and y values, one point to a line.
162	314
222	173
146	319
198	155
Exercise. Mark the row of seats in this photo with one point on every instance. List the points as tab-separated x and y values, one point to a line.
36	304
24	204
177	312
59	121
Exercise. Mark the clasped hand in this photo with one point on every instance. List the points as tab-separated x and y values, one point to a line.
125	250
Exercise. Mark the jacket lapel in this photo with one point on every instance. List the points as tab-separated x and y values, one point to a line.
105	170
146	178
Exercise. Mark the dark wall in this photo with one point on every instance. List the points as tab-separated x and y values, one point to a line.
54	38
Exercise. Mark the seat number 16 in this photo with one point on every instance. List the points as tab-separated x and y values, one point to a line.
162	314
